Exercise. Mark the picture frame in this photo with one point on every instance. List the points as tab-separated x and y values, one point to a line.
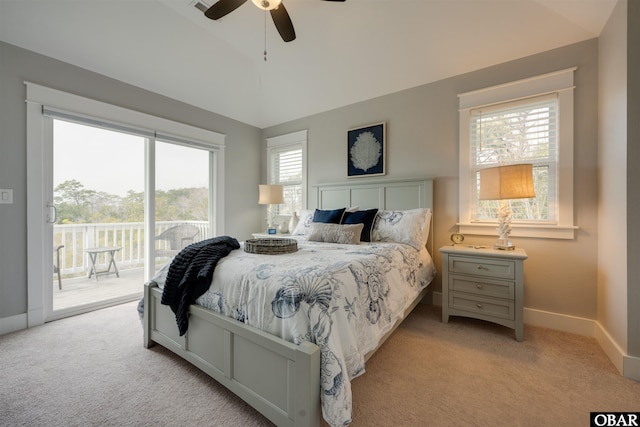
366	150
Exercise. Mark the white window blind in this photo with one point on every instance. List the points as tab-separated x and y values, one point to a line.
286	170
523	131
287	166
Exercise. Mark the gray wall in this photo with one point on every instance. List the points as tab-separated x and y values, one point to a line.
422	137
633	178
242	214
619	198
612	160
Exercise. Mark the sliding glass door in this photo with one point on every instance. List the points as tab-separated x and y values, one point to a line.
98	183
95	173
99	224
92	169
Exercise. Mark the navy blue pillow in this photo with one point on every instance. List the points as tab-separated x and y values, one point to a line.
328	216
361	217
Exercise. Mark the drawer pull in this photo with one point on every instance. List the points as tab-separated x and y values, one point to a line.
479	305
478	285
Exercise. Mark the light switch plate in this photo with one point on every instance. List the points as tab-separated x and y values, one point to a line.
6	196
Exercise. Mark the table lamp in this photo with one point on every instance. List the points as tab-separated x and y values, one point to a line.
503	183
270	195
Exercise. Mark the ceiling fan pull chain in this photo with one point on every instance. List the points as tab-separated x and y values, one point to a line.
265	35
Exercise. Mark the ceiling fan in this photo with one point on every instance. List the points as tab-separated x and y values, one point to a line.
278	12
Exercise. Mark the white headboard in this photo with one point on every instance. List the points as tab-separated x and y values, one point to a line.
382	194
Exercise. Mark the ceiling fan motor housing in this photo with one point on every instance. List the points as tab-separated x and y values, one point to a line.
266	4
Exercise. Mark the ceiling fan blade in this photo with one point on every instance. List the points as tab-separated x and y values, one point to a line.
223	7
283	23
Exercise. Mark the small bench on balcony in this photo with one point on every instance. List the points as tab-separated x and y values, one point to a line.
93	255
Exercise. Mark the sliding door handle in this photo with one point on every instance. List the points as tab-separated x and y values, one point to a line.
52	213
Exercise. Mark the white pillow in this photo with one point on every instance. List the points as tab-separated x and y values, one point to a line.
348	234
304	223
403	226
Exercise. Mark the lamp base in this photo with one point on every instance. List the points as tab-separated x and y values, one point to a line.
504	245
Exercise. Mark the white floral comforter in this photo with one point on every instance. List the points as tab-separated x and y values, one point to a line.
343	298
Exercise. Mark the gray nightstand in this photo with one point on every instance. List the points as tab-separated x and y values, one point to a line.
484	284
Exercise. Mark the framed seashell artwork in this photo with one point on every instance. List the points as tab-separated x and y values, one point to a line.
366	150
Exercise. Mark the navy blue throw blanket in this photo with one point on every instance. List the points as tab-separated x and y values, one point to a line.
190	275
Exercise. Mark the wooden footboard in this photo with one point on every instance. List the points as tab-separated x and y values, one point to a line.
279	379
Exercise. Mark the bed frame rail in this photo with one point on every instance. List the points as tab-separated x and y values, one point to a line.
279	379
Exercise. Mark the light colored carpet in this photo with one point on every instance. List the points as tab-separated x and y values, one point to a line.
92	370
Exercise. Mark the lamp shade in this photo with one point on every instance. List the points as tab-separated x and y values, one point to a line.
270	195
507	182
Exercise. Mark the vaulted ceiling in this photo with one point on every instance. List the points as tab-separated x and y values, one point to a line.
345	52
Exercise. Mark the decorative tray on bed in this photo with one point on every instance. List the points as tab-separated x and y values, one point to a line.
271	246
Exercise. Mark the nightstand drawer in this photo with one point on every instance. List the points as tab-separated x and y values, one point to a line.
482	286
487	267
479	305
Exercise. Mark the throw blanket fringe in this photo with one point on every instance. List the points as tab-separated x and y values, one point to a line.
190	275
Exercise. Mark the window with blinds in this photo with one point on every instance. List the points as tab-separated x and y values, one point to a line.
523	121
286	170
523	131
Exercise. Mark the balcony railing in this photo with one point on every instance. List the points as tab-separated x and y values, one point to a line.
76	238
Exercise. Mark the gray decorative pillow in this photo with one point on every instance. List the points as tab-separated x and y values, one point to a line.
336	233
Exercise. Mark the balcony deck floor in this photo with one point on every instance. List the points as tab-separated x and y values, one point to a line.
83	290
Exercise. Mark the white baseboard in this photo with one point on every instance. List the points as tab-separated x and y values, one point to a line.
13	323
559	322
610	347
628	366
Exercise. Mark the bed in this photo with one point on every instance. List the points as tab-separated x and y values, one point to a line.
284	332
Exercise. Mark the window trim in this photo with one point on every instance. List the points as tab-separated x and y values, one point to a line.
293	139
560	82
